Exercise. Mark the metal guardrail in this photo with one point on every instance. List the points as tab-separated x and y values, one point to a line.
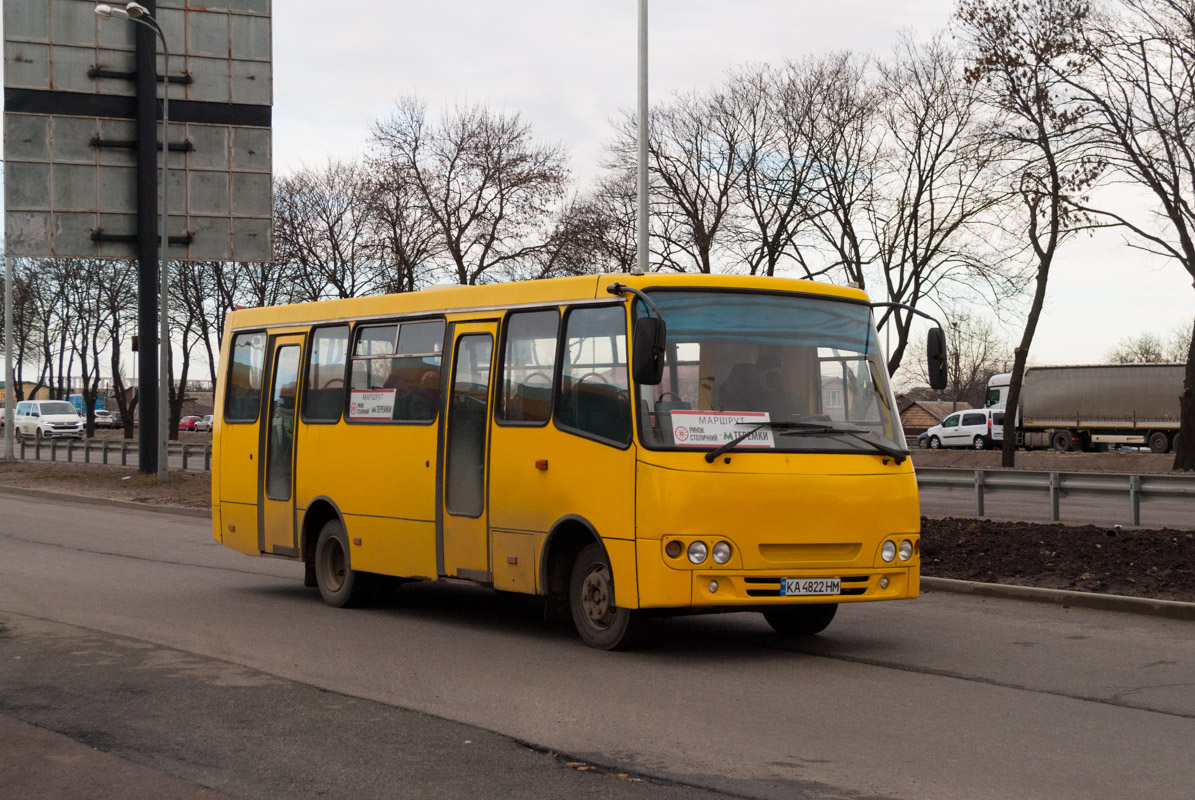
1135	488
107	452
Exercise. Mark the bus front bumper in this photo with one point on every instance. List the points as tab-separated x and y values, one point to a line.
663	586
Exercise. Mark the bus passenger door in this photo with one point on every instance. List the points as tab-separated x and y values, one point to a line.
276	459
463	544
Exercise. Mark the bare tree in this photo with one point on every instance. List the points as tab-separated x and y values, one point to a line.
118	303
936	188
1144	348
24	323
1142	87
1151	348
406	235
977	352
487	184
322	230
694	169
844	143
603	222
774	199
1021	54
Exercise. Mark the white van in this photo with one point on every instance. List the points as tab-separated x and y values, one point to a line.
48	419
979	428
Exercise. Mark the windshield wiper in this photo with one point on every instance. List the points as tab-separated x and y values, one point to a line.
862	434
733	443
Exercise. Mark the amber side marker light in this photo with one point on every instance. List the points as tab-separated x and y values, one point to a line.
674	549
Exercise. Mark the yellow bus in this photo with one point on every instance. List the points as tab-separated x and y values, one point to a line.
623	446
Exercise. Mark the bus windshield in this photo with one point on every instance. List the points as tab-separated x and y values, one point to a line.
807	370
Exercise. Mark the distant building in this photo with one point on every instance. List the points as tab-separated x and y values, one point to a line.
917	416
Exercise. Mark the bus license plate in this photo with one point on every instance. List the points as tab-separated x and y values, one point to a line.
803	587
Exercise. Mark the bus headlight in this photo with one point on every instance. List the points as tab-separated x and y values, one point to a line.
906	550
697	552
674	548
721	552
888	551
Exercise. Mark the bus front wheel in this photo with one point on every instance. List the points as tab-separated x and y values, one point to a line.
339	585
600	623
802	620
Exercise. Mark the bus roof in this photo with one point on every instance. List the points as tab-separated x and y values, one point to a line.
444	299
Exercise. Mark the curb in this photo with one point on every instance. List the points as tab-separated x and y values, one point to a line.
21	491
1171	609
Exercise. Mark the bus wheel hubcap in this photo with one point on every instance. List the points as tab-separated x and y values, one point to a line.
595	597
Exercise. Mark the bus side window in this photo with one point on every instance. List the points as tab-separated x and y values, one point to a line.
325	375
595	397
528	366
244	379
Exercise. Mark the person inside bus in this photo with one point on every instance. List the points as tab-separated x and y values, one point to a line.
743	390
425	399
755	387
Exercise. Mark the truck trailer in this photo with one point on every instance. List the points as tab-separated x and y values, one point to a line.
1091	407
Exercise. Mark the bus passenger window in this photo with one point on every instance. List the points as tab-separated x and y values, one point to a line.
243	400
325	374
396	372
594	386
528	366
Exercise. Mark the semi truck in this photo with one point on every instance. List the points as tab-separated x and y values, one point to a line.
1092	407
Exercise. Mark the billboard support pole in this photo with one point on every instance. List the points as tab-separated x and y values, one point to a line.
147	246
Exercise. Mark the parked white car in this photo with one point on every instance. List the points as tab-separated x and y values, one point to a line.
978	428
48	419
106	419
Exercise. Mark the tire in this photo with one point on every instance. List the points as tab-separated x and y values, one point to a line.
1159	442
802	620
38	435
599	622
935	443
980	443
1061	440
339	584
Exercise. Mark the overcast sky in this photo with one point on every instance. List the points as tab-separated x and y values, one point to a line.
569	66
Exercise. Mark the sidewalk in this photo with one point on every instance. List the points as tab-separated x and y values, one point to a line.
35	763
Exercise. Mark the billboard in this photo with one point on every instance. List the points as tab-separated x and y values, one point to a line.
70	144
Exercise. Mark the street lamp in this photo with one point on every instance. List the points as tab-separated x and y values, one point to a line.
135	12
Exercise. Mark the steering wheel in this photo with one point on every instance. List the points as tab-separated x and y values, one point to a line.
538	376
335	383
665	395
597	376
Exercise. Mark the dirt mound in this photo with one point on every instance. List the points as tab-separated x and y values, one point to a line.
1138	563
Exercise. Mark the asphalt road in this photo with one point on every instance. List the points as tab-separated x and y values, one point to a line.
135	633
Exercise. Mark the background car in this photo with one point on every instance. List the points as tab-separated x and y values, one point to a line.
204	424
47	419
106	419
188	423
978	428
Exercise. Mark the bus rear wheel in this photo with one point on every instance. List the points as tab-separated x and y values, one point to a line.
802	620
599	622
339	584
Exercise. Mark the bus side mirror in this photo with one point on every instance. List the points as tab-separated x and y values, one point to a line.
935	346
647	359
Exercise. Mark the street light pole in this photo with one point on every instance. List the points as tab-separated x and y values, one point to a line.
135	12
641	241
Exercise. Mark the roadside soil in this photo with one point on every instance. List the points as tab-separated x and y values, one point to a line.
1136	562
